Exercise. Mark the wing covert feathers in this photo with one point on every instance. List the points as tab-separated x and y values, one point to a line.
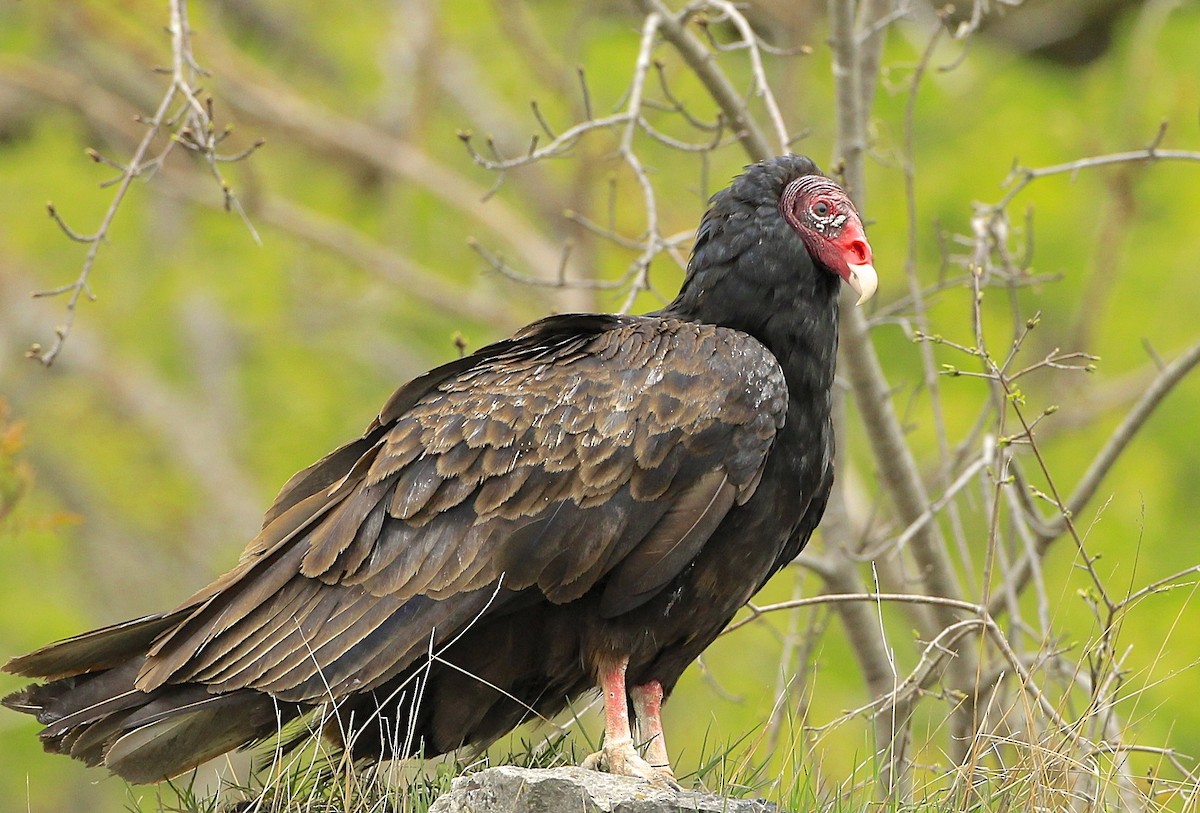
584	449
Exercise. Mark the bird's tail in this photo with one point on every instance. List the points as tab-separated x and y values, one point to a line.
93	711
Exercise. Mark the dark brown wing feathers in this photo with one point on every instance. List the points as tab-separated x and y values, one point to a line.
554	460
98	649
674	541
585	451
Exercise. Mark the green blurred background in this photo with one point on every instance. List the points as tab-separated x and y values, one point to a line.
211	368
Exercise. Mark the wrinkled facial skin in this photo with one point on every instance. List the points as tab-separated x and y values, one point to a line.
822	214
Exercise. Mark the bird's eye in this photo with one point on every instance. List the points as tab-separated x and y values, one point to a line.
821	209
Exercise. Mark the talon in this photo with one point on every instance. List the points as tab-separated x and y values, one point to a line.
620	758
594	762
665	776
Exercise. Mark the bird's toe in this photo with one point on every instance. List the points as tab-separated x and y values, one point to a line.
594	762
665	777
623	759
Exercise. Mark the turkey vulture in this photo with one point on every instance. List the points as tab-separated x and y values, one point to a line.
587	503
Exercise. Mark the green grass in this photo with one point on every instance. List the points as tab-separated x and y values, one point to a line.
1002	776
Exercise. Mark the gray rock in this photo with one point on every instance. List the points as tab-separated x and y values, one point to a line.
507	789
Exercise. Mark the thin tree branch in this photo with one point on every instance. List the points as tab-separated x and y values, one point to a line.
97	107
897	466
703	63
1021	177
262	97
1105	459
951	606
196	133
762	87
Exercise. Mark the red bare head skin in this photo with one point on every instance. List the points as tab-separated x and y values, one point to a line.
822	214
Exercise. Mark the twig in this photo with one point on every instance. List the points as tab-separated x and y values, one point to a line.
262	97
559	146
47	355
762	87
947	604
1117	442
986	456
1159	586
701	61
498	264
196	133
641	265
1021	177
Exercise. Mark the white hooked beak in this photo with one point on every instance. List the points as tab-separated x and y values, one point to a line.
863	280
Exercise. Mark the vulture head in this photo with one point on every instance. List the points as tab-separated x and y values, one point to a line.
822	214
778	240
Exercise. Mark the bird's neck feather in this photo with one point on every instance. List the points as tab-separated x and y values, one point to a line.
779	298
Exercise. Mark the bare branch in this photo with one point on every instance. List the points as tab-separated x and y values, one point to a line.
1021	177
46	356
264	98
1134	420
762	88
872	393
950	605
196	133
558	147
701	61
986	457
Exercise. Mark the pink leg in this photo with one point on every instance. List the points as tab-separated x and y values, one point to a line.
616	710
647	706
619	756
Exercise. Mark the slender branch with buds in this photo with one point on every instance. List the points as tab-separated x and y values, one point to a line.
191	124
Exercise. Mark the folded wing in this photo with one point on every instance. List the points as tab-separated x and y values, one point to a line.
586	453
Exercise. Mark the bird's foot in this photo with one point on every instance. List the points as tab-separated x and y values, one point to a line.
621	758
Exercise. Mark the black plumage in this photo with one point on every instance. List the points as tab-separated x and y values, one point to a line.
588	502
